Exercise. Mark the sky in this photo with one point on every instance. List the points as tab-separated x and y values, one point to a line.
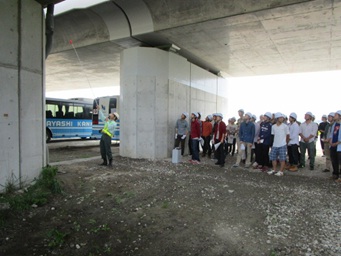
75	4
319	93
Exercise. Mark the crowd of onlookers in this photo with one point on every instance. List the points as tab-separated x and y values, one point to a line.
273	140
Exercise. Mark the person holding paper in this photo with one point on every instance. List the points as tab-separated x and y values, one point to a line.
181	131
219	139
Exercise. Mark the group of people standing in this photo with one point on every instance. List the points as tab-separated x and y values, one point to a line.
274	140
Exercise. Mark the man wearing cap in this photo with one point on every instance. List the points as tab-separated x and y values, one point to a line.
181	131
280	131
107	133
206	135
264	141
219	137
321	130
246	137
195	136
293	143
327	132
308	131
335	146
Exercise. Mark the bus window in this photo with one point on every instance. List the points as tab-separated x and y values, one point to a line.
112	105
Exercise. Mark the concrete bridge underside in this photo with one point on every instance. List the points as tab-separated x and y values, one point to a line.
237	38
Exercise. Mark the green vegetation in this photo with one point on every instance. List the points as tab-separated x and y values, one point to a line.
165	205
56	238
37	194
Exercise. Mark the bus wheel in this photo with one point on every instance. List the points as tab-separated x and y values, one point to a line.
48	136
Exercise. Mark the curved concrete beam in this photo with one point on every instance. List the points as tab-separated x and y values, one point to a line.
108	21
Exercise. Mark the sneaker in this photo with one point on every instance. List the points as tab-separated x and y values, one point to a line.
271	172
301	166
195	162
235	165
311	168
325	170
338	180
254	165
247	165
279	173
191	161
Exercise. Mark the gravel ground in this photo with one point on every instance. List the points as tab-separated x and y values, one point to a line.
142	207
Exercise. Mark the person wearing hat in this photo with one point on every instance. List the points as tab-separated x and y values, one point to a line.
239	122
280	132
195	137
327	132
246	137
255	147
321	130
219	137
108	130
335	146
206	135
181	131
264	141
294	130
308	131
231	130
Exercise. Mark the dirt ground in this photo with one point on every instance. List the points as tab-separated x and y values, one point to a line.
141	207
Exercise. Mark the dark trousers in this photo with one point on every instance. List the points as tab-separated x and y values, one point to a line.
105	147
310	146
195	150
190	145
264	154
220	153
293	154
231	147
207	147
336	161
178	141
258	151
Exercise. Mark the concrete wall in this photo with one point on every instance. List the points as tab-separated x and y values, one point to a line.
156	87
22	126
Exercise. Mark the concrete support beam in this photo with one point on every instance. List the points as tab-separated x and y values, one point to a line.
22	150
156	87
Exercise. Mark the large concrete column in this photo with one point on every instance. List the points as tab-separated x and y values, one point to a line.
156	87
22	147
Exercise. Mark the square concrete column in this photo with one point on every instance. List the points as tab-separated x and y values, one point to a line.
22	150
156	87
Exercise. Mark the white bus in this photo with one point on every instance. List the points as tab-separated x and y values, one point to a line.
108	104
68	119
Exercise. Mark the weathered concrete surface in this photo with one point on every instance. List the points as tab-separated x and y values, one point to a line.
240	38
22	150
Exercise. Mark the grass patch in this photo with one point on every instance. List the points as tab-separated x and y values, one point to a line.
37	194
56	238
